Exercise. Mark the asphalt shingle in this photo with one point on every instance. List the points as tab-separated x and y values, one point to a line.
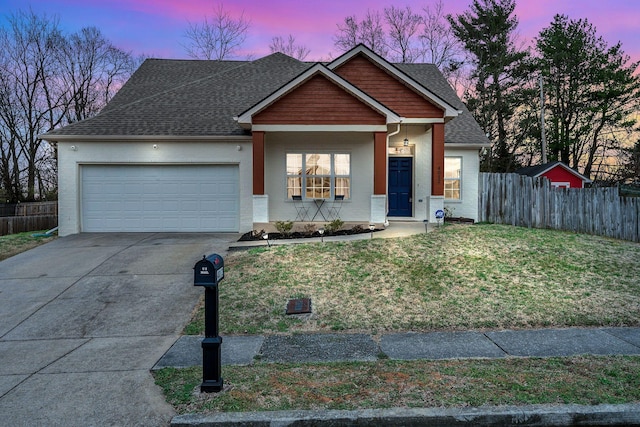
201	98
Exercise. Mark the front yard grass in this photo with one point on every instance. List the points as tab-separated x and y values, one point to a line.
455	278
13	244
584	380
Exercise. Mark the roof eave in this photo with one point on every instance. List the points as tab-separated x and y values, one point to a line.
96	138
449	110
565	167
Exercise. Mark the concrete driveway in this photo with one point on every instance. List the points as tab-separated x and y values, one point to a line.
84	318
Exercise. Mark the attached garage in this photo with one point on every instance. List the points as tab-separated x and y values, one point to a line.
159	198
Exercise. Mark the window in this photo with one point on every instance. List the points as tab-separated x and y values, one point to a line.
318	175
452	177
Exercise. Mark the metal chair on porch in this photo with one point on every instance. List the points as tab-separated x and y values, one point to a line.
302	211
334	209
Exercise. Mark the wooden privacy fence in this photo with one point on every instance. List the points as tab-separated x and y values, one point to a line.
532	202
30	217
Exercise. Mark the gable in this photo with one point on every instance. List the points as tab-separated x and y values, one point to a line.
319	101
387	89
560	174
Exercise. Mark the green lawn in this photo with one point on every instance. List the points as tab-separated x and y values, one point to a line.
455	278
14	244
386	383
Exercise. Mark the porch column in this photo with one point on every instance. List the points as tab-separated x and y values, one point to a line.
258	163
380	163
379	196
260	200
436	200
437	159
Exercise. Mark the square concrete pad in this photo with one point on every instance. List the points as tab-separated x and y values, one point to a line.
112	354
234	350
102	306
7	382
19	298
31	356
319	348
560	342
438	345
85	399
61	262
630	335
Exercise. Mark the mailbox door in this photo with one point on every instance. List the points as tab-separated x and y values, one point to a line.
204	273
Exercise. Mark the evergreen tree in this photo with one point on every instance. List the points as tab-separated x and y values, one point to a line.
500	75
591	92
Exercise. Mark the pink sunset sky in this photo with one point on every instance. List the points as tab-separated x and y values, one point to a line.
156	27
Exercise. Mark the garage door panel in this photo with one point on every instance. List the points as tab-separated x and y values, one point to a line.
160	198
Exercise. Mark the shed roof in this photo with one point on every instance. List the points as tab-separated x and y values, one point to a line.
539	170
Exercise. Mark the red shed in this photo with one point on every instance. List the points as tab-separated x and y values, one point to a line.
560	175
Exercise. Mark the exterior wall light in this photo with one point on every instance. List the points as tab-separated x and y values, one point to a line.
155	146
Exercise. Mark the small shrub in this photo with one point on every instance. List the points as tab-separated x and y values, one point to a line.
334	225
358	228
309	228
448	212
284	227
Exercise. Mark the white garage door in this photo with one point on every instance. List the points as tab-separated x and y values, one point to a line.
160	198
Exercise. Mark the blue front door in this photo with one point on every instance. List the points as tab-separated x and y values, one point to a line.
400	186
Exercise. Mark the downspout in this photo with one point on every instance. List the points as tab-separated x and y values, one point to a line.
389	135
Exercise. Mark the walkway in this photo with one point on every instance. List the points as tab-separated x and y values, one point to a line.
320	347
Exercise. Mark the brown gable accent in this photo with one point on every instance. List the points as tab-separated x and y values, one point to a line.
386	89
319	101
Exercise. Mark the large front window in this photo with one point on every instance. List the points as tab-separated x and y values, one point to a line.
318	175
452	177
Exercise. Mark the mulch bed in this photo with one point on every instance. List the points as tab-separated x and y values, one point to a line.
258	235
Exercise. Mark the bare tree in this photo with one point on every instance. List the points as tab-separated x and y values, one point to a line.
347	37
33	101
404	26
289	47
369	31
47	80
94	69
216	38
439	44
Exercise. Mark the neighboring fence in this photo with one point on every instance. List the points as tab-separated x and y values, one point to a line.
30	217
532	202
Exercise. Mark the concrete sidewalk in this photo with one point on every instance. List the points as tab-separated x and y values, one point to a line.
332	347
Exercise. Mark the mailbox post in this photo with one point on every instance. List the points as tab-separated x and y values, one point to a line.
208	272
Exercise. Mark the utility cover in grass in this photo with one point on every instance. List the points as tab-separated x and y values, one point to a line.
299	306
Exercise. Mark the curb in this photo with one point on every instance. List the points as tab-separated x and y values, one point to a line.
531	415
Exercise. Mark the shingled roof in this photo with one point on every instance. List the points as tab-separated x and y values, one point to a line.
194	98
537	170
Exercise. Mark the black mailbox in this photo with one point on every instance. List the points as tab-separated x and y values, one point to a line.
209	271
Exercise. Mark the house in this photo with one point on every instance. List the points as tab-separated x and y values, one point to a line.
194	146
560	175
